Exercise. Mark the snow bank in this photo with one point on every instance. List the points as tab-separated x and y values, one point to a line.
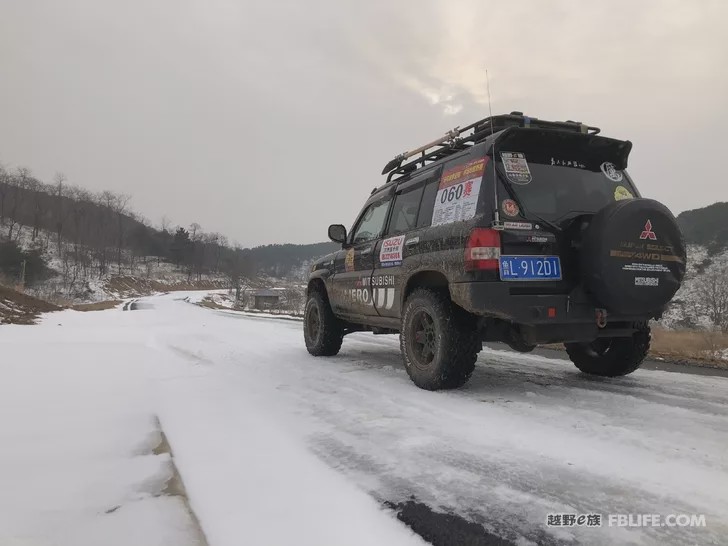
78	430
80	395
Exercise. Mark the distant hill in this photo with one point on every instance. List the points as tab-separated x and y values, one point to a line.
284	260
707	226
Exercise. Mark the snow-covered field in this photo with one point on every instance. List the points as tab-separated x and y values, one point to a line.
276	447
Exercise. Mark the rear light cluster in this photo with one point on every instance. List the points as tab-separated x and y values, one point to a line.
482	251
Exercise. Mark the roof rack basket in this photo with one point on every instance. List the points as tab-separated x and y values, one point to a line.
460	139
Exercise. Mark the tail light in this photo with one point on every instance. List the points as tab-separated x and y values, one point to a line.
482	250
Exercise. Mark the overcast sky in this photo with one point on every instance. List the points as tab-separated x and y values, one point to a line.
267	121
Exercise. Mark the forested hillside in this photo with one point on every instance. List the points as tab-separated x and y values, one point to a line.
707	226
61	231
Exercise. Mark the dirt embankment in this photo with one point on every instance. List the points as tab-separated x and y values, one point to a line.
132	287
18	308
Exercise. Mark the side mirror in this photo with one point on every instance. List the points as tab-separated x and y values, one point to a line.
337	233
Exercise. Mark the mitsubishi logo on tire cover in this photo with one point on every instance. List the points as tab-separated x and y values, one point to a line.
648	233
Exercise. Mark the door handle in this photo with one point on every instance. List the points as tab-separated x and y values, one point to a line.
365	251
412	242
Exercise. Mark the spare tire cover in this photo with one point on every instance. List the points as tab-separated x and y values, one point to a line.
633	256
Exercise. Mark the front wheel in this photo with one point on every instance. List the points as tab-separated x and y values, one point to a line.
612	357
322	331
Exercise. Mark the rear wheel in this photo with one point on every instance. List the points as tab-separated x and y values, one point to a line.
439	345
322	331
612	357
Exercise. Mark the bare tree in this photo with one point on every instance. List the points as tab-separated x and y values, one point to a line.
294	299
18	185
4	189
61	210
194	229
120	209
712	296
40	197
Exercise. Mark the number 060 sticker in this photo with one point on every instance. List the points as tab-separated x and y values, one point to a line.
457	194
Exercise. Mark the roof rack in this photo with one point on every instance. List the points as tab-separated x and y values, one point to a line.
460	139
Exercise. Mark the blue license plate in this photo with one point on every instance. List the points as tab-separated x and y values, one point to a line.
530	268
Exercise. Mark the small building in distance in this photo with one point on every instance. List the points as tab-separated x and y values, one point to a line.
265	299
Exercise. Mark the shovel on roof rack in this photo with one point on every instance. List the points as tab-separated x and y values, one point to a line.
449	138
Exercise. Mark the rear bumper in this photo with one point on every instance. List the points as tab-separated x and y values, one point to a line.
495	299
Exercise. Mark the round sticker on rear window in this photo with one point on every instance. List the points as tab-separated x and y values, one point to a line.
621	193
510	208
611	172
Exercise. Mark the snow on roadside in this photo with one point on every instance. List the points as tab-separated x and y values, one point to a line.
78	430
79	397
247	478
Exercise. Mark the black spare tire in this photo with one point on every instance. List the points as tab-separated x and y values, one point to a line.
633	256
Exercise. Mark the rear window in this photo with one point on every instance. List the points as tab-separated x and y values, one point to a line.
557	175
404	211
428	203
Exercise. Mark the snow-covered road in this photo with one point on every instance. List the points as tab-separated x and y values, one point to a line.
277	447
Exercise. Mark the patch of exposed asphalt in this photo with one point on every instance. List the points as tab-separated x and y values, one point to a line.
443	529
130	305
449	529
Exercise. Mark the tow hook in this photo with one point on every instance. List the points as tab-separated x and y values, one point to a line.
601	318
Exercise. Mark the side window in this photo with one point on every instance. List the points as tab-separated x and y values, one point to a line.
371	224
428	203
404	211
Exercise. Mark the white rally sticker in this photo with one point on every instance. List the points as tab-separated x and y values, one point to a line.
391	252
517	225
516	167
646	281
611	172
457	194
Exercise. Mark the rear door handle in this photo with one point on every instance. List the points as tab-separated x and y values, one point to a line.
365	251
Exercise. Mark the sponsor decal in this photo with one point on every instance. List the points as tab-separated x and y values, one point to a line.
358	295
517	225
457	194
645	257
510	208
537	239
648	233
646	281
370	291
567	163
621	193
384	297
516	167
611	172
647	268
349	260
391	252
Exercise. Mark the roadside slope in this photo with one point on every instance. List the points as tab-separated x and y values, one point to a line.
18	308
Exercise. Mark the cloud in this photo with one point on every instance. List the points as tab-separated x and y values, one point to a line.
269	120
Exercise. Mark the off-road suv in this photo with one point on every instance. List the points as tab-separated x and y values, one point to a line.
512	229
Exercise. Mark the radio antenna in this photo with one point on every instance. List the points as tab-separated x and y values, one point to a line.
496	206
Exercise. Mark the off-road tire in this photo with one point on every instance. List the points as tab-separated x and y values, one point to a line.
612	357
322	331
452	341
